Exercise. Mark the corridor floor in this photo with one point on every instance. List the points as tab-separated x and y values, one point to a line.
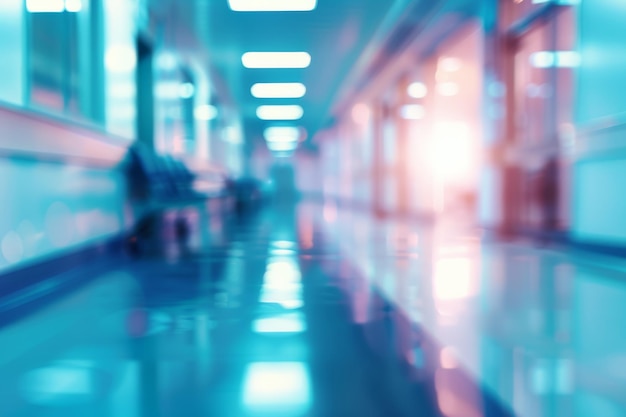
311	310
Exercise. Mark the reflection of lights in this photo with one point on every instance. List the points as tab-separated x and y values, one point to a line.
277	386
281	283
448	89
448	358
276	59
417	90
272	5
283	323
453	278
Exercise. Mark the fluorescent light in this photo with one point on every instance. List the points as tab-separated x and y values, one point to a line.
417	90
282	134
559	59
205	112
412	112
272	5
278	112
276	59
45	6
278	90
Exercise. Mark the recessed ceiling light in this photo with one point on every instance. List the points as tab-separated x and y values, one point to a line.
282	134
286	112
276	59
278	90
272	5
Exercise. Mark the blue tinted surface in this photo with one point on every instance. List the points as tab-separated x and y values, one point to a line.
283	313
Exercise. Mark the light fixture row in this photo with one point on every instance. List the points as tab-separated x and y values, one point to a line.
279	138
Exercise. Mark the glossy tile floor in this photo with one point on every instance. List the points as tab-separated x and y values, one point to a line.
316	311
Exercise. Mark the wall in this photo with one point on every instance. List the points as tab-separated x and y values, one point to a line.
62	187
599	198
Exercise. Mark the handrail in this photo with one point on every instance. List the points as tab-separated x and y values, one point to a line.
28	134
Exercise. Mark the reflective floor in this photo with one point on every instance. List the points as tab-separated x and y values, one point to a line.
311	310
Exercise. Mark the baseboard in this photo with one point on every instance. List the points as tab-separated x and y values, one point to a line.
27	288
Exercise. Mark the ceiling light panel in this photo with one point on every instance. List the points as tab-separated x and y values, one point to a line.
286	112
278	90
272	5
282	134
276	59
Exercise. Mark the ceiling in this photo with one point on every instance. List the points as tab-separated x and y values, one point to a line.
335	34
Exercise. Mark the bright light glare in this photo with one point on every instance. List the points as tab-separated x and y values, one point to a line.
457	136
278	90
281	134
412	112
559	59
45	6
453	279
279	112
120	58
417	90
272	5
205	112
276	59
277	387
